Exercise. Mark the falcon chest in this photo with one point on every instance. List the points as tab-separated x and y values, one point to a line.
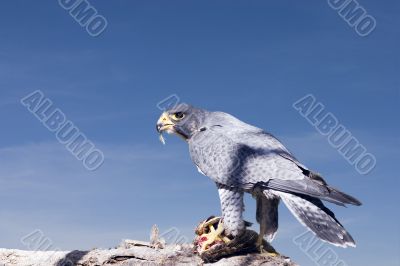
214	155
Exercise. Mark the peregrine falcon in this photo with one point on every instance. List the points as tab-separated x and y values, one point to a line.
241	158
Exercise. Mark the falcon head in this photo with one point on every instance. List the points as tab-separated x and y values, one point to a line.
183	120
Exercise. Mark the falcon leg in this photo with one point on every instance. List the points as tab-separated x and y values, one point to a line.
260	239
217	230
262	245
267	217
232	208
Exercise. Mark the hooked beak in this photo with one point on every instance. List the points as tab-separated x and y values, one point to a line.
164	123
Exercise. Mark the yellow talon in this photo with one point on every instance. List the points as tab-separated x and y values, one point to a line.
270	251
226	239
214	234
211	233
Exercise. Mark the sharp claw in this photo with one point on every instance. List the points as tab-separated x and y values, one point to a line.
211	227
226	239
211	221
214	235
220	228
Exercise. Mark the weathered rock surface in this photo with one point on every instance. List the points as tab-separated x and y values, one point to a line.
131	253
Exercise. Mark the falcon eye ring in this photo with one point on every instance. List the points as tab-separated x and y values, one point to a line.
178	116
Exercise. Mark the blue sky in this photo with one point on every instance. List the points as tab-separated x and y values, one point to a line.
251	59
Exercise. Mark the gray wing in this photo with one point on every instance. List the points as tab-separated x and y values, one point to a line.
239	155
242	159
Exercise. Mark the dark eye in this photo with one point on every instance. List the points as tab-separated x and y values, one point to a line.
178	115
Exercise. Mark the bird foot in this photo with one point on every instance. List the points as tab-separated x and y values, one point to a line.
211	242
265	248
267	252
210	232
